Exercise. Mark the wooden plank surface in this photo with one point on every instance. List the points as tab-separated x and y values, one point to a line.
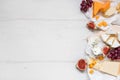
40	9
41	39
38	71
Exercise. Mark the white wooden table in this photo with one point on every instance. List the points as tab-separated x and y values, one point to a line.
41	39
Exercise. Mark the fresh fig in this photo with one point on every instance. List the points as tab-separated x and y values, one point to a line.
81	65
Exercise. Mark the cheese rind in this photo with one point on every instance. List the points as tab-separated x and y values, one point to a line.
118	36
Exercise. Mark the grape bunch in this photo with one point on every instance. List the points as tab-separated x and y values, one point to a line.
114	54
85	5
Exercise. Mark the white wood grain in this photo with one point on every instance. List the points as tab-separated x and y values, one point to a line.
41	40
40	10
40	71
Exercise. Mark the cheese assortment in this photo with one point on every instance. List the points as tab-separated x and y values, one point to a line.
103	48
103	13
102	56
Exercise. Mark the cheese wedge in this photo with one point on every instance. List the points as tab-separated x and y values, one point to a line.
112	68
118	35
111	11
106	6
105	37
110	41
115	44
96	7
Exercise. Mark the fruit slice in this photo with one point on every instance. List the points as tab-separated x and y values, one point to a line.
81	65
96	7
106	50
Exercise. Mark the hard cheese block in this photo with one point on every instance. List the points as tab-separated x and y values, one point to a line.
112	68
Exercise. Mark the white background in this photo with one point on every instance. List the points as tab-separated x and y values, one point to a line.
41	39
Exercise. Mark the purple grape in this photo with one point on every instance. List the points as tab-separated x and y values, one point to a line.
115	54
118	52
81	8
90	5
118	49
118	57
112	53
85	4
109	56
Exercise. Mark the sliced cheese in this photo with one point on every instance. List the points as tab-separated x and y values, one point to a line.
105	37
96	7
115	44
118	35
112	68
110	41
106	6
111	11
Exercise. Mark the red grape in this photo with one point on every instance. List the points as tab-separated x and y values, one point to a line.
114	54
85	5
